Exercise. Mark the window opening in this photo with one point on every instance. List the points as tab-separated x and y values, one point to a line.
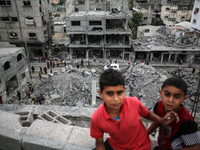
19	57
5	3
13	35
27	3
6	66
32	35
75	23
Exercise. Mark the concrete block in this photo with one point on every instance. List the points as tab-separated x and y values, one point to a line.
81	137
44	135
26	118
11	131
54	117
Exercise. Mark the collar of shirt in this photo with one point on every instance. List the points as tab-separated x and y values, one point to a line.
105	113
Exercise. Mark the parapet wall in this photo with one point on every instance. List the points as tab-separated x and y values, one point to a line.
46	130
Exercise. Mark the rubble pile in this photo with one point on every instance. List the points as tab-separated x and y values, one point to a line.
144	82
72	87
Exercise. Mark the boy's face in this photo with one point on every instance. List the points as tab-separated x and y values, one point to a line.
172	97
113	96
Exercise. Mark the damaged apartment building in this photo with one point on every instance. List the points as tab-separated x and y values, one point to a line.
98	28
170	44
14	70
27	23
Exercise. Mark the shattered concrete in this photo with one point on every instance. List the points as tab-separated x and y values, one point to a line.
72	87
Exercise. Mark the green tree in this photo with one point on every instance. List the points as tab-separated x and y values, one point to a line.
62	2
135	22
157	22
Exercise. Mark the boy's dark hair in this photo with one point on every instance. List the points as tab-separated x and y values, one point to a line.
177	82
110	77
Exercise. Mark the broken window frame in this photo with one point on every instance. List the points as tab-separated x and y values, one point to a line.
32	35
27	3
5	3
75	23
6	65
13	35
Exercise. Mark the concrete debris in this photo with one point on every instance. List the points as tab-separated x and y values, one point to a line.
73	86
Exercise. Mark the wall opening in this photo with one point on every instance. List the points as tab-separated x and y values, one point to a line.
11	85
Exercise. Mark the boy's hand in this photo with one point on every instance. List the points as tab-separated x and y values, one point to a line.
169	117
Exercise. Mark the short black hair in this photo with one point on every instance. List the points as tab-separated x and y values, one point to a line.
177	82
110	77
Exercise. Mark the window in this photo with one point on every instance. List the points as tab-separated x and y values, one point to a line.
27	3
173	11
32	35
5	3
194	21
145	18
19	57
166	16
167	9
146	30
75	23
14	19
95	23
40	2
6	66
81	2
50	14
13	34
45	33
174	3
52	29
23	75
5	19
48	1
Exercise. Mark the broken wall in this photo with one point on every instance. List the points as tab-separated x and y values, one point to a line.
16	74
144	31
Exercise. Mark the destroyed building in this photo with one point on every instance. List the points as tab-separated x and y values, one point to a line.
175	11
27	24
14	70
98	28
146	17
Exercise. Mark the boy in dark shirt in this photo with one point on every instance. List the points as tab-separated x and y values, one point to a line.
183	135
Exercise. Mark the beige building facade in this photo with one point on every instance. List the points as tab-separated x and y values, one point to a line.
27	24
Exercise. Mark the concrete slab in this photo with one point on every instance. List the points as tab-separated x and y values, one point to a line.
81	137
44	135
11	131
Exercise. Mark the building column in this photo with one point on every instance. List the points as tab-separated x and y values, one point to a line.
70	51
87	54
175	59
161	58
169	57
147	57
151	57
